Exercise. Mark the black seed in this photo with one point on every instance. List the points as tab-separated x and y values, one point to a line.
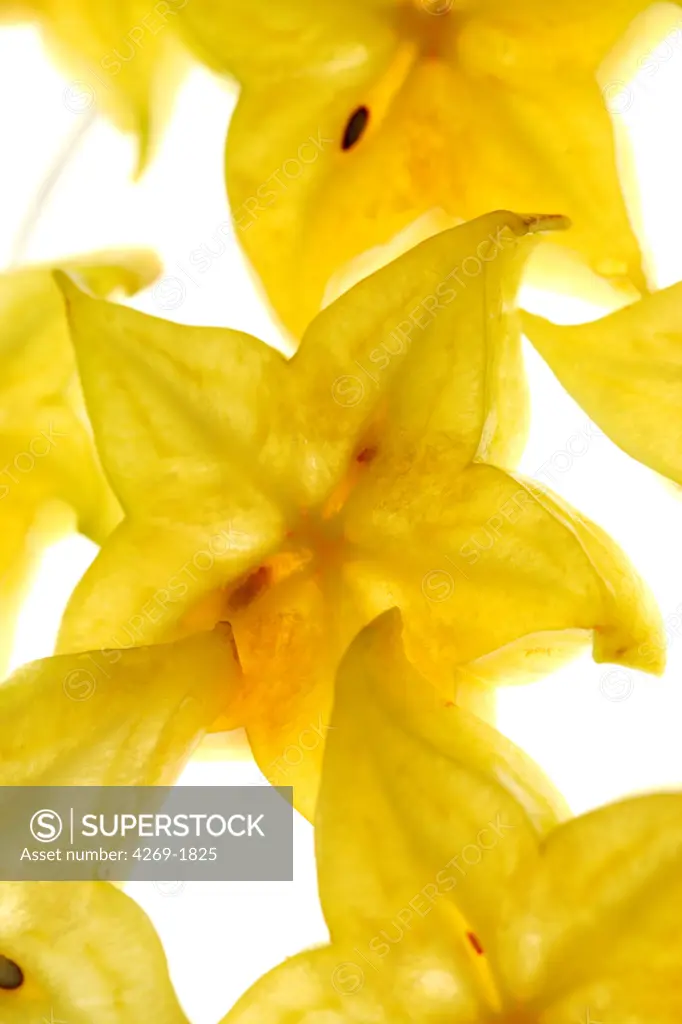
355	128
11	975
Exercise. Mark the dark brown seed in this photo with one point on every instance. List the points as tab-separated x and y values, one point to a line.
11	975
355	128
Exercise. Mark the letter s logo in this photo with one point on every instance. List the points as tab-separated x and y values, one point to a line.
46	826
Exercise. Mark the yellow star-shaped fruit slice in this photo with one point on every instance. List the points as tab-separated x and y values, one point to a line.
356	119
298	499
455	886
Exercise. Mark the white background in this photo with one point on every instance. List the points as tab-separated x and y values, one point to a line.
598	735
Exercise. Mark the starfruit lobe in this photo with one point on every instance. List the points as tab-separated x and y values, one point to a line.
90	730
299	499
51	480
80	953
625	370
334	95
455	884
